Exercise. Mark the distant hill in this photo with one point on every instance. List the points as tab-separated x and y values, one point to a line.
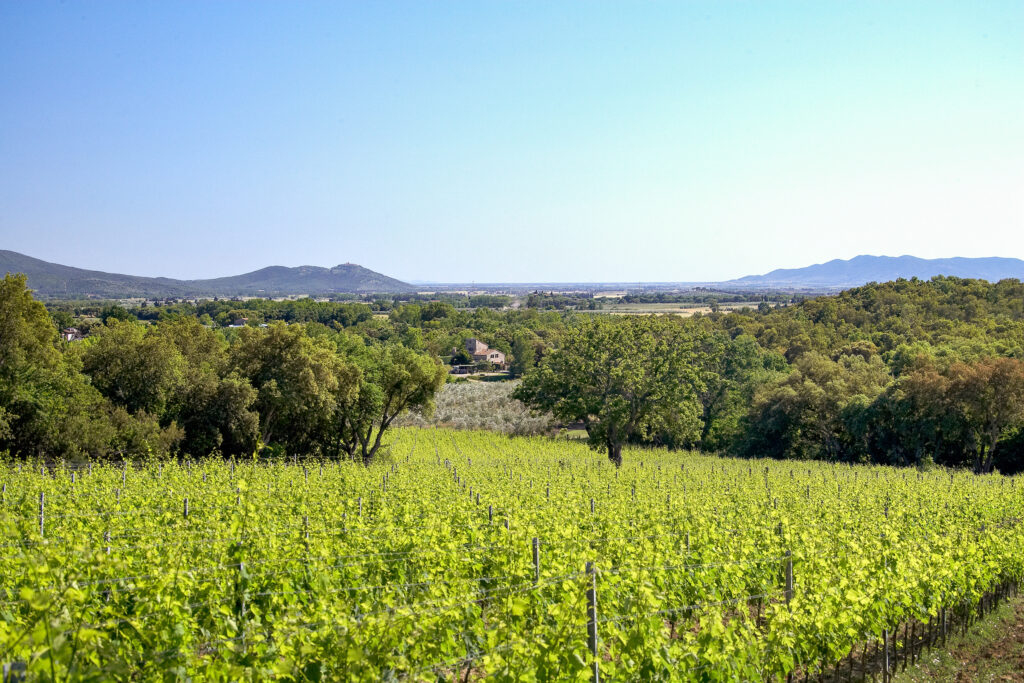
57	281
839	274
347	277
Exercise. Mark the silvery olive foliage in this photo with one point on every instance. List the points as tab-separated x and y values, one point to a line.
482	405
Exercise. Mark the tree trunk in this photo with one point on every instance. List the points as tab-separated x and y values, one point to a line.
990	459
705	428
615	453
367	450
979	460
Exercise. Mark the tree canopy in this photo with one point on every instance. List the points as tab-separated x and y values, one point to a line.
909	372
132	388
624	379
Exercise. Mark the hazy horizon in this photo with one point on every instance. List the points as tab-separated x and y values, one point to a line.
445	282
577	142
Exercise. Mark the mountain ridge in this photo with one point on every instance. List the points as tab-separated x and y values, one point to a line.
57	281
862	269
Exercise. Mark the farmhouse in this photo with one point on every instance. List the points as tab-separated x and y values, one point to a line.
71	334
481	352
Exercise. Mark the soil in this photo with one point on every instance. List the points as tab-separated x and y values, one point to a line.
1007	650
994	651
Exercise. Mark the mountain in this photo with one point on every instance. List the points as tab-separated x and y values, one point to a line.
840	274
347	277
55	280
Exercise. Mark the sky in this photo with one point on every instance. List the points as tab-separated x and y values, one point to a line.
509	141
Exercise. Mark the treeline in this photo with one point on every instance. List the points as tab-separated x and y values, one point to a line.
435	327
555	301
339	311
132	389
905	373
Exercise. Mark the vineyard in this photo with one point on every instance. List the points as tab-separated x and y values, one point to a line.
470	555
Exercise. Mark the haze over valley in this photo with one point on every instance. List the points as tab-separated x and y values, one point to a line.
60	281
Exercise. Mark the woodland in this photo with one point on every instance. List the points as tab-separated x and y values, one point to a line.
910	372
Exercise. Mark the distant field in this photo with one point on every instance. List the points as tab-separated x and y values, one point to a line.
685	310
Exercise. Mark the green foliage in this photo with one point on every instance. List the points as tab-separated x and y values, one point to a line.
297	378
775	381
26	334
134	389
133	367
964	413
62	319
115	312
625	379
391	380
461	357
216	414
731	370
46	405
335	571
806	414
524	355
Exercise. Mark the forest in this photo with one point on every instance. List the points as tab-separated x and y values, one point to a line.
910	372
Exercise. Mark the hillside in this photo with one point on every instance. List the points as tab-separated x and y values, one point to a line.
347	277
59	281
840	274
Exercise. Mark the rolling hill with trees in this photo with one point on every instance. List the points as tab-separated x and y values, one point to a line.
52	280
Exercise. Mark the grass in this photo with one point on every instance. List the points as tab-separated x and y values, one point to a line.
992	650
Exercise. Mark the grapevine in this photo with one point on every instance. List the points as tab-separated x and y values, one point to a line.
424	564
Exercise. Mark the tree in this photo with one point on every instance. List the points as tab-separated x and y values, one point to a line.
47	407
175	375
462	357
807	413
32	377
625	379
62	319
27	336
731	369
199	346
115	312
915	420
391	380
524	356
134	368
298	380
216	414
212	403
989	395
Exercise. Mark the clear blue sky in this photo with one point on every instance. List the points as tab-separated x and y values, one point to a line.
509	141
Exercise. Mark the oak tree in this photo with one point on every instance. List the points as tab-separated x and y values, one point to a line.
624	379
